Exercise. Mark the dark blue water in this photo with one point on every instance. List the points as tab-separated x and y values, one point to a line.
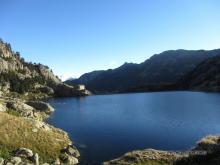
104	127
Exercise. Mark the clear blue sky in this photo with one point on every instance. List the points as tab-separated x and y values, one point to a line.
77	36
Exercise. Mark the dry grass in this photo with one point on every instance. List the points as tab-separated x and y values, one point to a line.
209	140
153	163
146	157
18	132
147	162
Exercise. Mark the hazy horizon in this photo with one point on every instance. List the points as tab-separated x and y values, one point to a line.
76	37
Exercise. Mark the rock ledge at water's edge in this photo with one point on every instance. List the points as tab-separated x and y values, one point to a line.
206	152
26	139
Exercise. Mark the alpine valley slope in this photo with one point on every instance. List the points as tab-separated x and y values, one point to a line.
25	139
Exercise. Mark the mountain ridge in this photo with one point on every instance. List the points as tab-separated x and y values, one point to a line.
23	77
163	68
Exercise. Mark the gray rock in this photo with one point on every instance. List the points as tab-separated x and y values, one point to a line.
16	160
46	90
71	150
36	159
12	62
24	152
41	106
68	159
2	108
20	107
39	125
64	157
1	161
72	160
48	74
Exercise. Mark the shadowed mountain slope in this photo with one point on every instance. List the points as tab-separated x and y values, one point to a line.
205	77
159	70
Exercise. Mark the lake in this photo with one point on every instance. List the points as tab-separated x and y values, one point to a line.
104	127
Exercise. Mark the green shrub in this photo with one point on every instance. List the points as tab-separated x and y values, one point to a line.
4	152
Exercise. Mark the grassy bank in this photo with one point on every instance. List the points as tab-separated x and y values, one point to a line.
17	132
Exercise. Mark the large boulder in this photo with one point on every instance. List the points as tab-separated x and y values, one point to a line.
39	125
46	89
68	159
72	160
72	151
69	155
24	153
16	160
41	106
20	107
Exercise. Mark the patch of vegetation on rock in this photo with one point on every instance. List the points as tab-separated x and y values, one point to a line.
146	157
206	152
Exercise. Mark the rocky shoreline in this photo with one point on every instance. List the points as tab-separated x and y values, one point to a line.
206	152
25	138
33	113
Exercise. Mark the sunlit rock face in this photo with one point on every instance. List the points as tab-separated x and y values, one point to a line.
23	77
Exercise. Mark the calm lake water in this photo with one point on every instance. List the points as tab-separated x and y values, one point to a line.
104	127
